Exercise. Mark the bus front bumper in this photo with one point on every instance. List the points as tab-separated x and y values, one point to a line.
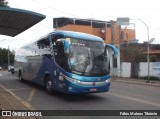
87	87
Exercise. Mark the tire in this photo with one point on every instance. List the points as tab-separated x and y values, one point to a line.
12	71
48	85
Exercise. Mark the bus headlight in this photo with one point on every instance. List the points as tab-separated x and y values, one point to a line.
72	79
108	80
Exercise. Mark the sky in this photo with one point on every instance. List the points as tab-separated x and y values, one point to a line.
106	10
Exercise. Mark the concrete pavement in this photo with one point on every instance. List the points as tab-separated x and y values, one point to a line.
137	81
8	101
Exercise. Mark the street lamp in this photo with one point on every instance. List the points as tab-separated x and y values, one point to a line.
126	21
147	50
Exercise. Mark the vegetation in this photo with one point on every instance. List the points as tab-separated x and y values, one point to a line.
4	57
4	52
134	54
3	3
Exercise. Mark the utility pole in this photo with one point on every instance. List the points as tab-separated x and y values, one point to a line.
147	50
8	57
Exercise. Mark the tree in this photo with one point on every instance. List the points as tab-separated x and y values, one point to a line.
3	3
4	57
133	53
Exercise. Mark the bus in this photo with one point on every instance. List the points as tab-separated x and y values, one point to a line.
67	62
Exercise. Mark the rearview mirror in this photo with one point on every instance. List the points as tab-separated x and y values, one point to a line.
115	50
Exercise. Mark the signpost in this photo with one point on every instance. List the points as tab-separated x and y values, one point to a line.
123	21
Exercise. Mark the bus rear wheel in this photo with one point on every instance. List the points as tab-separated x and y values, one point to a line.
49	86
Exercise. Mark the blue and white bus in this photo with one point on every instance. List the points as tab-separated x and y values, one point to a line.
68	62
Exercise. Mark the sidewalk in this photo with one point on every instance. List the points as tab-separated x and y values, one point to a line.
137	81
9	102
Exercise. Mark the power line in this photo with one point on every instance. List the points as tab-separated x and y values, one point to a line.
66	13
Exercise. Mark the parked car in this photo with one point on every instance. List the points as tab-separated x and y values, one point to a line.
11	69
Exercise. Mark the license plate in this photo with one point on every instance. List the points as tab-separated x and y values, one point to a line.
93	89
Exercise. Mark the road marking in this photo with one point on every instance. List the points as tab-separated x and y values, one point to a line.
26	104
6	99
31	94
135	99
19	89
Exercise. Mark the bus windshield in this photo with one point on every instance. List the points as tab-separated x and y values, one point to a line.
87	57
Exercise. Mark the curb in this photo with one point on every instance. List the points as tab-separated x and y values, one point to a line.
140	83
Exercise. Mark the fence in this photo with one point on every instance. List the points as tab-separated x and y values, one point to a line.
143	69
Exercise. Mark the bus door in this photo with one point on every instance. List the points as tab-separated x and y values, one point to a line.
61	63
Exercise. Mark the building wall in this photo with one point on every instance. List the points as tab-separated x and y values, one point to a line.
154	69
129	34
98	32
125	69
78	28
108	36
112	35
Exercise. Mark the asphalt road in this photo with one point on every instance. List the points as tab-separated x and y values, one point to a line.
122	96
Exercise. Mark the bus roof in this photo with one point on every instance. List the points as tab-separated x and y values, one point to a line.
78	35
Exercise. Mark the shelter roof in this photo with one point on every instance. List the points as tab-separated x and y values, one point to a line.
14	21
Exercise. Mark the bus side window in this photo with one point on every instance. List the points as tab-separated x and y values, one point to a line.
60	56
44	43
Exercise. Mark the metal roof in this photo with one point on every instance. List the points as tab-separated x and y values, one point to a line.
62	21
14	21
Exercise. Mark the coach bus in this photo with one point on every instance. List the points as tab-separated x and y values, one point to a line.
68	62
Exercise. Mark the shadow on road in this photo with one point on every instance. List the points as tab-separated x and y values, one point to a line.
69	97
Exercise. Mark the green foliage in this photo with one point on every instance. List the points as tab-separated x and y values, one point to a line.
133	54
3	3
4	56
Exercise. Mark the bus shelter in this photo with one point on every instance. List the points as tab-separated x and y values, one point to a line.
14	21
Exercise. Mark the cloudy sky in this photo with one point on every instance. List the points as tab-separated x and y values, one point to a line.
147	11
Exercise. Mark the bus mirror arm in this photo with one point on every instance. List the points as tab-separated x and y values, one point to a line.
115	50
